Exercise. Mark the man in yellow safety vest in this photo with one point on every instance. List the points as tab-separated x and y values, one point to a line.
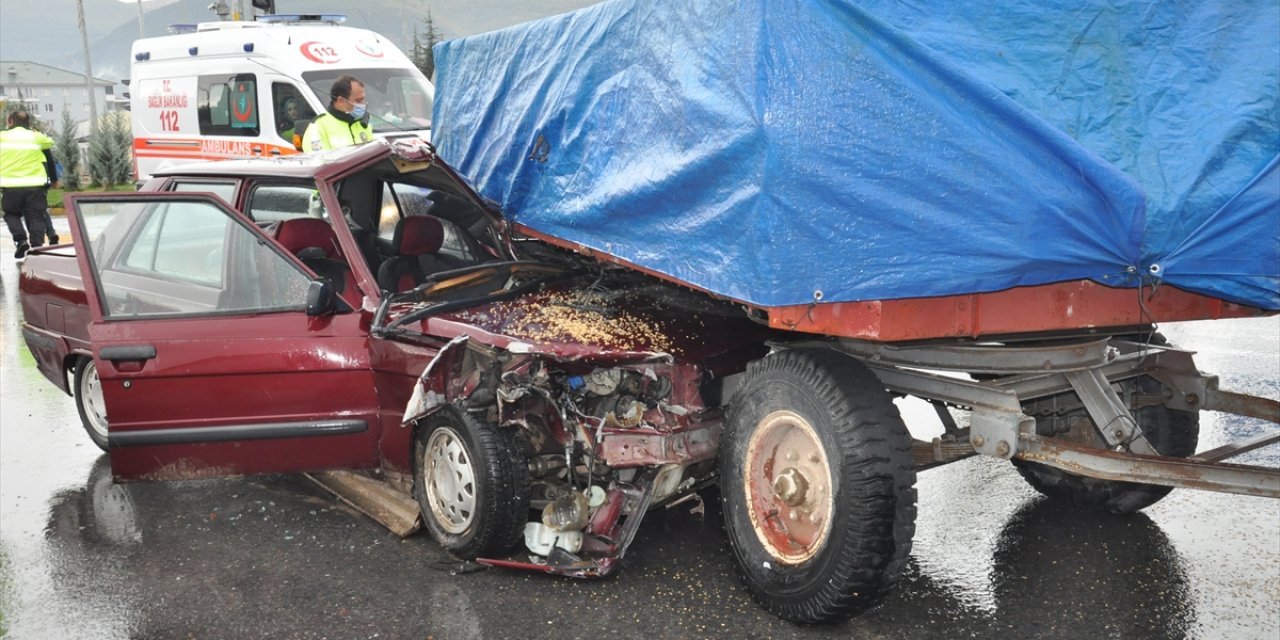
26	171
344	123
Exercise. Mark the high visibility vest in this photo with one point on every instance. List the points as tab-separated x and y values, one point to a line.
22	158
328	132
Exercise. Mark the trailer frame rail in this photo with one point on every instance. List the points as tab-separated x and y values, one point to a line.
1083	373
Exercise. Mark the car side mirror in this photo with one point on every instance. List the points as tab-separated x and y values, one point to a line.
319	298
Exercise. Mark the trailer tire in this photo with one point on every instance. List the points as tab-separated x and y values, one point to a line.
1171	432
471	482
89	403
846	486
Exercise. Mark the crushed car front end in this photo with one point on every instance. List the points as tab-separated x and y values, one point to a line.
603	392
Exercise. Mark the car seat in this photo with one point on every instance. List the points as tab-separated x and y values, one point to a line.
314	242
415	244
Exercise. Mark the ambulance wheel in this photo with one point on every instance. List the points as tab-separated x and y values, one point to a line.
818	486
88	394
471	484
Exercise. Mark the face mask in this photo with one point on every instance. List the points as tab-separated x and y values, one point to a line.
357	110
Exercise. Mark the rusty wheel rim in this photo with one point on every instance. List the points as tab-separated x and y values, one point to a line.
450	481
789	487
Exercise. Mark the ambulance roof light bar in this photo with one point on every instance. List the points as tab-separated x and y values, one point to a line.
293	18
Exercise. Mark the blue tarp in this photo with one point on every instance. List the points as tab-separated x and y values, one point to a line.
781	152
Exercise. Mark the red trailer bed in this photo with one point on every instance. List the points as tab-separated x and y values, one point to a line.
1052	308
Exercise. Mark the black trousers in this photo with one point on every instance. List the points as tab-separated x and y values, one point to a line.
29	205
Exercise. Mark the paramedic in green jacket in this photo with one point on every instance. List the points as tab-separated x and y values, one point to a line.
26	171
344	123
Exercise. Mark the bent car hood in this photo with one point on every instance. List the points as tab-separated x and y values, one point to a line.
647	322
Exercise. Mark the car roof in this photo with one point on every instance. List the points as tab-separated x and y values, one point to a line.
411	156
303	165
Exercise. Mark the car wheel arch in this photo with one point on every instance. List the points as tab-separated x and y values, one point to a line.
438	385
69	364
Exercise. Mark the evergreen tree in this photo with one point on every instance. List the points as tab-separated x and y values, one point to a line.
423	40
9	106
415	52
110	159
66	149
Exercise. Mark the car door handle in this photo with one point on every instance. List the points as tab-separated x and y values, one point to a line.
132	352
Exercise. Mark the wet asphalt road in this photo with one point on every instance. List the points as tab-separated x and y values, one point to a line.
276	557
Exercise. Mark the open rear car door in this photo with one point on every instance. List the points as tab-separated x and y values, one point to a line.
218	352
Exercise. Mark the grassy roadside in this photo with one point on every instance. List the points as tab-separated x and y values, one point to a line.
55	195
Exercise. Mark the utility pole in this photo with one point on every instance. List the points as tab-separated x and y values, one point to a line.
142	29
405	44
88	69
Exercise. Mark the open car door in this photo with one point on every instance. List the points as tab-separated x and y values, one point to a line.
210	362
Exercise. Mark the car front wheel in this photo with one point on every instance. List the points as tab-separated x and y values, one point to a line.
471	483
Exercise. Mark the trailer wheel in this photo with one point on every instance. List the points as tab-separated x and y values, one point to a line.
1171	433
818	486
471	484
89	403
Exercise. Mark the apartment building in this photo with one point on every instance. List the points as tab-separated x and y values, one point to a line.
46	90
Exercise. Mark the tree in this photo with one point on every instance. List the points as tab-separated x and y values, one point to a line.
423	40
66	149
110	162
9	106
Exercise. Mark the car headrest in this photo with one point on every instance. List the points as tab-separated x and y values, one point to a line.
417	235
297	234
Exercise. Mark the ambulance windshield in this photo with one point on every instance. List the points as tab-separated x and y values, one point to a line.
398	99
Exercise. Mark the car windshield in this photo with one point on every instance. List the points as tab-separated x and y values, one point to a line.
398	99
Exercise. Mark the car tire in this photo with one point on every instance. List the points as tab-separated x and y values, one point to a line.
818	486
472	484
89	403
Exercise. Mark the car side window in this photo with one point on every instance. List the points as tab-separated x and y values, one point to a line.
183	242
391	213
224	190
408	201
156	259
291	110
273	203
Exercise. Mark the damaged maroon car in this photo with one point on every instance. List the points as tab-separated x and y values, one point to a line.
365	309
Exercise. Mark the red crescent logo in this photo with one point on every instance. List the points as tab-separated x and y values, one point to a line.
242	108
370	49
321	52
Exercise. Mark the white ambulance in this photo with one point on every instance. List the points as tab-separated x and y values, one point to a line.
222	90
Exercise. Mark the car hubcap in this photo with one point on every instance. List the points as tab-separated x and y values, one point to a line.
788	485
450	480
94	408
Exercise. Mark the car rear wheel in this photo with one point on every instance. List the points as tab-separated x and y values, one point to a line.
818	486
471	483
88	393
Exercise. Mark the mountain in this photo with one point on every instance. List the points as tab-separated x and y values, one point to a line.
46	31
